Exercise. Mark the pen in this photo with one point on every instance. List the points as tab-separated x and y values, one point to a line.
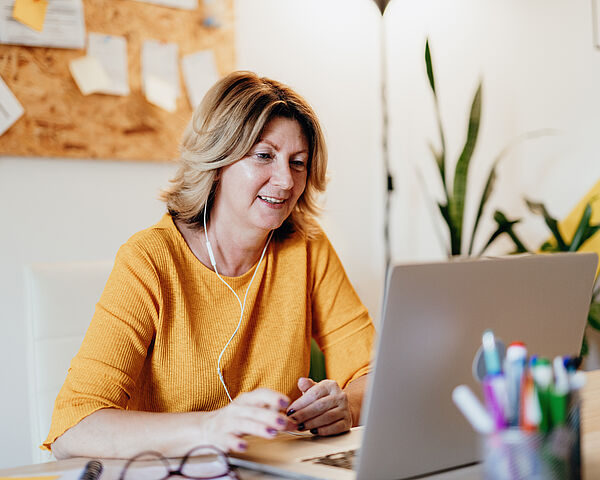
559	393
542	376
472	409
514	368
92	470
494	386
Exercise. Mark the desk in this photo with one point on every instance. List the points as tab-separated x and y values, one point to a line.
590	449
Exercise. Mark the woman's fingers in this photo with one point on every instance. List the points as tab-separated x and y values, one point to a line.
323	408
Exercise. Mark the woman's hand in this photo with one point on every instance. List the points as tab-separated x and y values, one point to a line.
256	413
323	408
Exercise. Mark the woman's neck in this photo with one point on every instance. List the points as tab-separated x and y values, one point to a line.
234	253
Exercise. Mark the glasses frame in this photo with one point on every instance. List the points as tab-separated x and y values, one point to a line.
171	472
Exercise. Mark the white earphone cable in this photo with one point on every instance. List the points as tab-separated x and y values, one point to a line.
242	305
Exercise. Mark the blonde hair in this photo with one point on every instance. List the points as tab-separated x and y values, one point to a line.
224	127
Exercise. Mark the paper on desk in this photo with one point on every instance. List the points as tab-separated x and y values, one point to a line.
111	51
53	477
63	26
31	13
89	74
10	108
160	73
184	4
199	74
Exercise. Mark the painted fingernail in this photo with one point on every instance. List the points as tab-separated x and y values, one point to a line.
242	446
281	421
271	431
300	427
291	411
314	431
283	402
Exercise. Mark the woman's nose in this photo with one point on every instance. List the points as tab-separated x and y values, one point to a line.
281	176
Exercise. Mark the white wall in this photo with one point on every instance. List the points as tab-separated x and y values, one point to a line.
539	70
56	209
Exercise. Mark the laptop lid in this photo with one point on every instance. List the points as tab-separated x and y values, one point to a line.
433	318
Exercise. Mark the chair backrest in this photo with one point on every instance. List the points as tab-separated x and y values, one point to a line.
61	299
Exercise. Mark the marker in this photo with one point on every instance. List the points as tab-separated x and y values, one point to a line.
472	409
514	368
559	393
530	412
490	353
542	376
494	385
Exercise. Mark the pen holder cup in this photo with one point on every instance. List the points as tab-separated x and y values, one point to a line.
515	454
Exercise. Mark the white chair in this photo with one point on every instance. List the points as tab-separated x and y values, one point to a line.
61	299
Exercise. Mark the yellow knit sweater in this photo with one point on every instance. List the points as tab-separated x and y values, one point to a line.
164	317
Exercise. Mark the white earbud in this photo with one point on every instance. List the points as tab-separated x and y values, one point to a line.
242	305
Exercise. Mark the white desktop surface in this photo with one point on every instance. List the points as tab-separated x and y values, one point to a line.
590	448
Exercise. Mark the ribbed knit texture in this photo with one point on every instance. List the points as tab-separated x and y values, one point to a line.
164	317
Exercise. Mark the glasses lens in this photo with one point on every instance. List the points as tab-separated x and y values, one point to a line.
147	466
205	462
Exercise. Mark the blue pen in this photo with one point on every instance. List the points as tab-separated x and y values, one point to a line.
494	386
514	368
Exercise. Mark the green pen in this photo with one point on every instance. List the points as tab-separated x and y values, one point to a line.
559	393
542	376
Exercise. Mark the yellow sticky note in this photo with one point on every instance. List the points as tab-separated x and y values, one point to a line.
31	13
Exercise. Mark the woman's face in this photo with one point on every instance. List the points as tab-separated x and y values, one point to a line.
260	191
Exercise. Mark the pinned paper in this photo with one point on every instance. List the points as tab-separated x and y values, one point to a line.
199	74
184	4
31	13
160	93
10	108
89	74
63	25
214	13
111	51
160	73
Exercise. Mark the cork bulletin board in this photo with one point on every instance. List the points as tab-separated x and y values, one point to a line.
60	122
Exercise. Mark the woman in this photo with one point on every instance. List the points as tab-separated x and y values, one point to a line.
202	334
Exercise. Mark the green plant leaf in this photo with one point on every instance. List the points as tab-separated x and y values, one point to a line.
487	191
505	226
429	66
540	209
454	238
459	191
489	186
594	316
440	157
582	228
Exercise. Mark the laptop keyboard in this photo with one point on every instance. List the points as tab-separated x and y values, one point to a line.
339	459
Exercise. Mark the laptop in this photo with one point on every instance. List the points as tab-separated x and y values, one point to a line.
432	320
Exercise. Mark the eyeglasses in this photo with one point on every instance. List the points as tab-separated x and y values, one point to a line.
200	463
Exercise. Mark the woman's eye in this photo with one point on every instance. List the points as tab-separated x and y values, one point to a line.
298	165
263	155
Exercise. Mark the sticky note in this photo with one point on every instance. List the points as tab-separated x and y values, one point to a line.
31	13
89	74
160	93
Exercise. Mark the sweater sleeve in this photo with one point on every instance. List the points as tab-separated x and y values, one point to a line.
341	323
103	374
